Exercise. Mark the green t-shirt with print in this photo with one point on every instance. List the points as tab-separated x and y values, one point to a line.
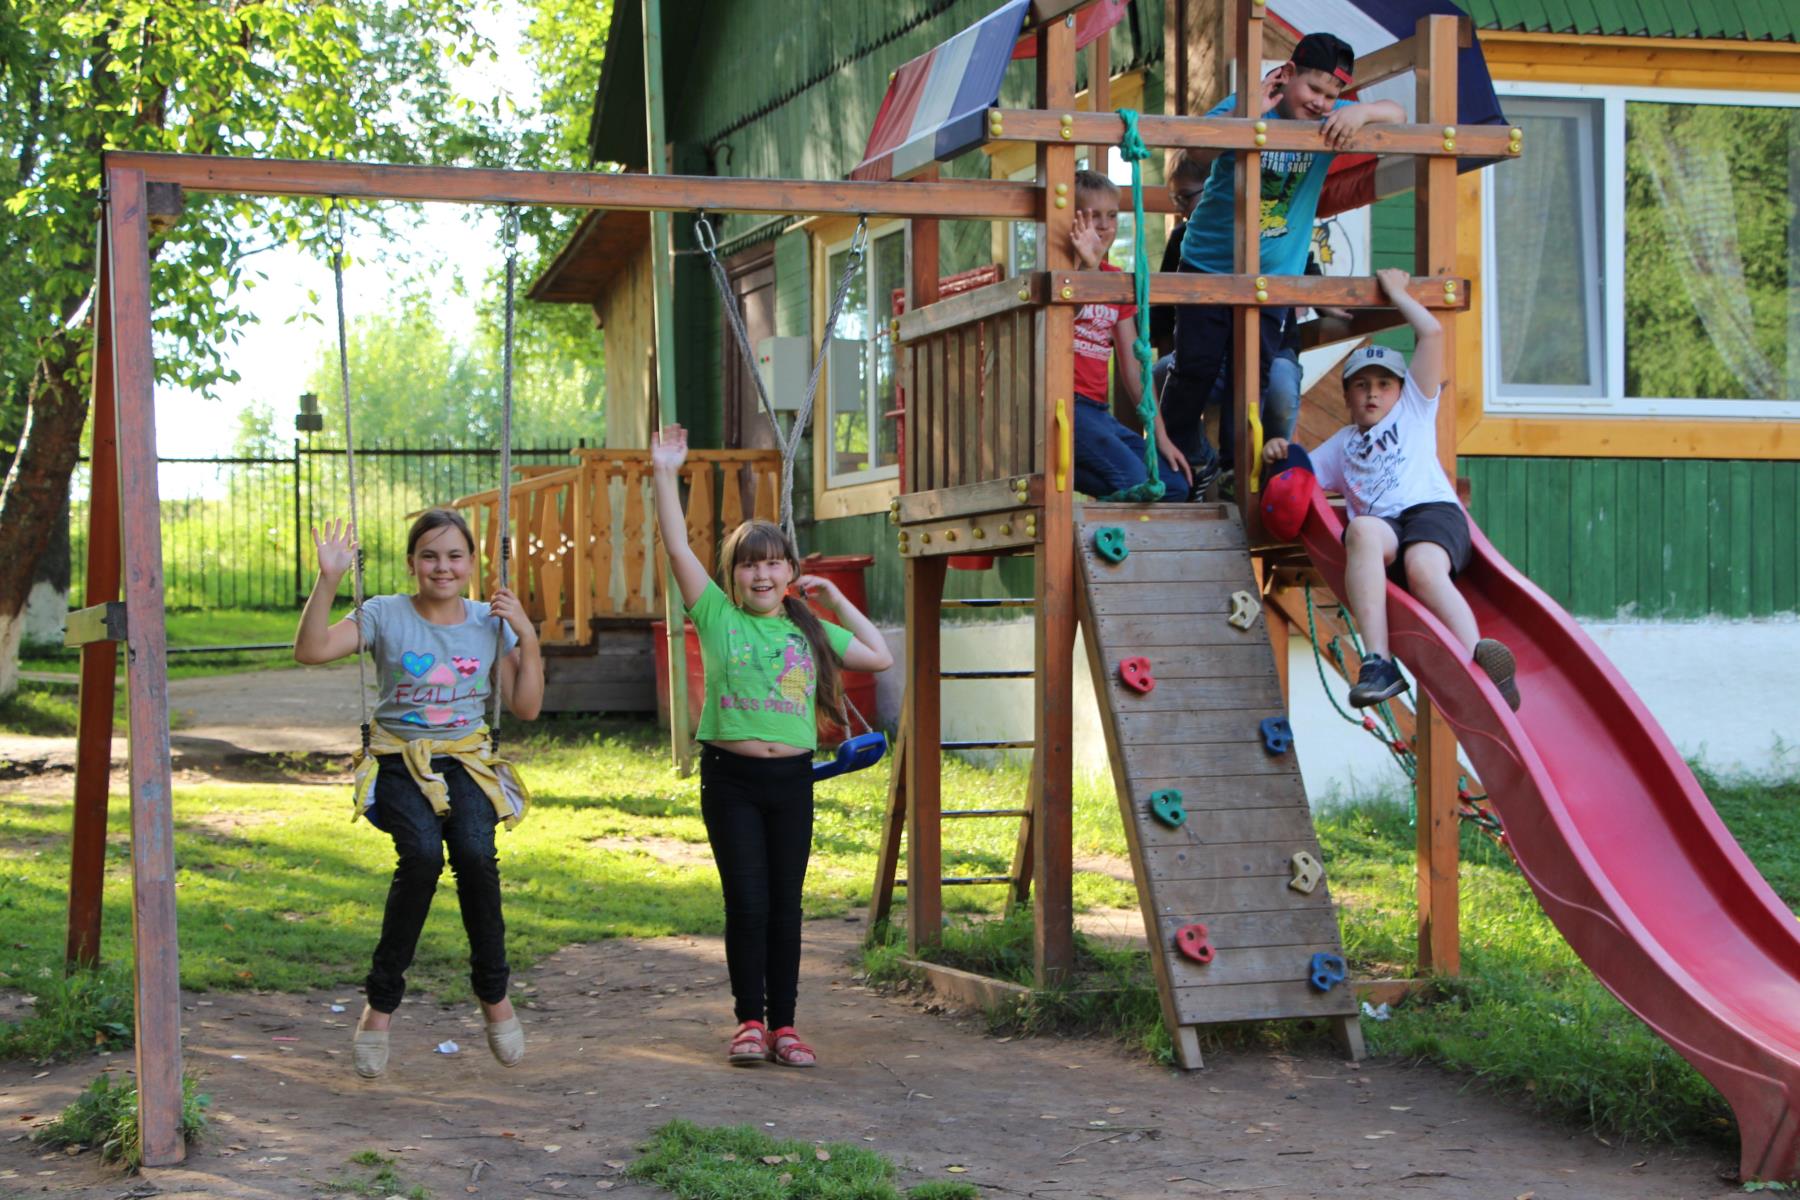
759	673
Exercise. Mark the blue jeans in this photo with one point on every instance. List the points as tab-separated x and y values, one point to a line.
1110	458
1280	407
421	839
1202	359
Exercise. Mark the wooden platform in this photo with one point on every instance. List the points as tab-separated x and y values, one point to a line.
1227	866
613	671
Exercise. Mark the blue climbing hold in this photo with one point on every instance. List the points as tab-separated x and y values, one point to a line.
1327	970
1277	735
1166	806
1109	543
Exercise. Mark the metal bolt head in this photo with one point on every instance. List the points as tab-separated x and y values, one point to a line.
1449	143
1006	529
1068	293
1024	294
1261	139
1261	296
1062	189
1261	127
1262	281
1067	133
1449	131
978	532
1062	202
926	538
1067	118
1516	133
949	535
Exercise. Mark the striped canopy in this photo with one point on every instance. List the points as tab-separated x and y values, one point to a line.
936	104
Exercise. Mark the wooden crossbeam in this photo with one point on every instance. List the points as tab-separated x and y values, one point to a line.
96	623
1444	292
1240	133
958	198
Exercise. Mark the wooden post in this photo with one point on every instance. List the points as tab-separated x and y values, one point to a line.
1099	89
1246	320
681	742
924	754
1434	245
99	660
156	953
1052	824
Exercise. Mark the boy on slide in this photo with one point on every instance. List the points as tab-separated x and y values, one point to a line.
1404	516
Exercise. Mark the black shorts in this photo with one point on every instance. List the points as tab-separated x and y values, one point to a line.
1441	523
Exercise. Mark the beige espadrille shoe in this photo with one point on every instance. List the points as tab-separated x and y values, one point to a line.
507	1040
369	1048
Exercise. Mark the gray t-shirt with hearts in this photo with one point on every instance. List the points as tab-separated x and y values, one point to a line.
435	680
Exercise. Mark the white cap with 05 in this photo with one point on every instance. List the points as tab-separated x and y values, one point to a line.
1385	357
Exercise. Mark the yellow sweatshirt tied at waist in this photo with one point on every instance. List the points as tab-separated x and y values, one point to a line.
494	775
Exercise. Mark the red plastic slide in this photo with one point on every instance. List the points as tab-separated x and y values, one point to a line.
1622	847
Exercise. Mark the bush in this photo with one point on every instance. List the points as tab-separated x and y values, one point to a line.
106	1116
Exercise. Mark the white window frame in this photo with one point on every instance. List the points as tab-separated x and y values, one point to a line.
871	402
1610	399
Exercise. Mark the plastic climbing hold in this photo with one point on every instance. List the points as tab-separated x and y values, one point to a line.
1167	806
1307	872
1277	735
1243	609
1109	543
1191	941
1135	674
1327	970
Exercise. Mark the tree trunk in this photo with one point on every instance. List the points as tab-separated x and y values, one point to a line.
37	487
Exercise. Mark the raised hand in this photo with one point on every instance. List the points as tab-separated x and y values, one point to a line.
668	448
336	546
817	587
1343	123
1273	84
1085	240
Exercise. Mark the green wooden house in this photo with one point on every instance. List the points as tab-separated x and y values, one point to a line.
1629	389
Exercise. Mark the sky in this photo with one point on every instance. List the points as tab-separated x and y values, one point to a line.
275	354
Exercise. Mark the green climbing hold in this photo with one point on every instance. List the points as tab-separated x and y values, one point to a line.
1109	543
1166	806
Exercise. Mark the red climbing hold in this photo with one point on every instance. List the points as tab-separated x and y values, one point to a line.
1134	673
1191	941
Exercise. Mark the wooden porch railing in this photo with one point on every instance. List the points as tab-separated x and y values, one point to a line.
584	536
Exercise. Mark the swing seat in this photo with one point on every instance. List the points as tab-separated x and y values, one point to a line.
853	754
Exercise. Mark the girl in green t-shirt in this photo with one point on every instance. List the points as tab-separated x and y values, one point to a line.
771	664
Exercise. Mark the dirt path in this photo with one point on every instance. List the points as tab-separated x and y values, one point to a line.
626	1035
222	719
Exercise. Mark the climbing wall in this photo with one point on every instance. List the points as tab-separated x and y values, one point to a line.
1215	811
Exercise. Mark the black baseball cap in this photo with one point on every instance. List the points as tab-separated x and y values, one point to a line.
1325	52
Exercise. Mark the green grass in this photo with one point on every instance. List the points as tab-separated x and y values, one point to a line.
278	890
738	1162
105	1116
382	1179
72	1014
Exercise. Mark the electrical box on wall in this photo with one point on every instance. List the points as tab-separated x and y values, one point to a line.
785	363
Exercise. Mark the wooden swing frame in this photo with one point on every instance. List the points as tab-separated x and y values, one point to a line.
124	589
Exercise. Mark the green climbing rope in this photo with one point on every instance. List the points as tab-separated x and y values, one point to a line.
1133	150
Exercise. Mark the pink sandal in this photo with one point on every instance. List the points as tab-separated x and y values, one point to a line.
790	1051
749	1045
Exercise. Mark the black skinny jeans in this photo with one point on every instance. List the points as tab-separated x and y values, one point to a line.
1203	349
759	818
421	839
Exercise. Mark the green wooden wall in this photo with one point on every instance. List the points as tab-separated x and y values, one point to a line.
1646	537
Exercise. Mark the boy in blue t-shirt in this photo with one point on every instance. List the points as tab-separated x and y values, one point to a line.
1305	88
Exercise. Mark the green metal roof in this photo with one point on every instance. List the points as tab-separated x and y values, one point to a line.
1738	20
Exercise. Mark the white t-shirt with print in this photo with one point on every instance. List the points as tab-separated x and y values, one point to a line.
1385	470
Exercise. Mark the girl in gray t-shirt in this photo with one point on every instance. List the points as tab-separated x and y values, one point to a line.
438	656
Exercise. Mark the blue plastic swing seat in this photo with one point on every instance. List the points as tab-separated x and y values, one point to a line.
853	754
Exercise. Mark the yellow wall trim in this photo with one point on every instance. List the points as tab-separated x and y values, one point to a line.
1617	437
1644	62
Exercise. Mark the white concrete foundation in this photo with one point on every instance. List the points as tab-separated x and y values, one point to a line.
1723	691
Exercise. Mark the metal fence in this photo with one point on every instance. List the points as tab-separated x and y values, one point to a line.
236	531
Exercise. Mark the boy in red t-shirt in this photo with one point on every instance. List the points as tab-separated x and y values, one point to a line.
1109	458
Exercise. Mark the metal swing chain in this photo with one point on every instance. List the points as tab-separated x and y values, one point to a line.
335	234
789	442
509	234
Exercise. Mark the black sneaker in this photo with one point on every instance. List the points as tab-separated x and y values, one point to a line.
1204	475
1497	661
1379	680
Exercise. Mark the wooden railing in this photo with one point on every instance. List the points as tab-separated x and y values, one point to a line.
584	536
969	369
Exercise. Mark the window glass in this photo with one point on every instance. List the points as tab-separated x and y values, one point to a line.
1711	251
1546	265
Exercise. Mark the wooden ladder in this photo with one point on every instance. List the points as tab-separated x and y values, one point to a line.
893	825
